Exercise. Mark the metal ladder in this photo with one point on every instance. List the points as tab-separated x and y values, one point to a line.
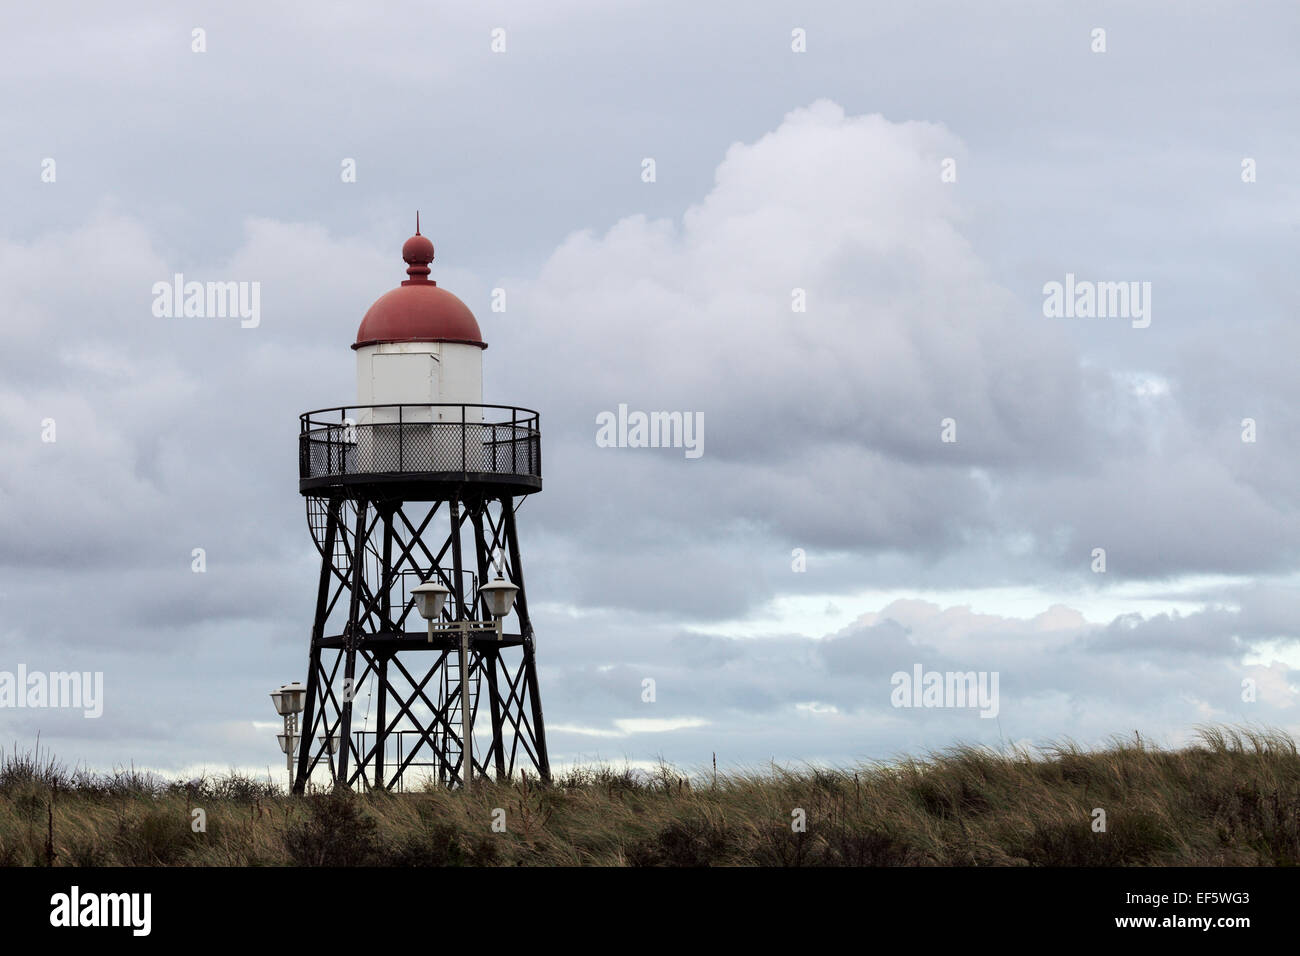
450	691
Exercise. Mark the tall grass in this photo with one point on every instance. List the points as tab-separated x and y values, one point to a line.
1232	798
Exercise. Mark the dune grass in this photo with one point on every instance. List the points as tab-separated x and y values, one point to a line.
1232	798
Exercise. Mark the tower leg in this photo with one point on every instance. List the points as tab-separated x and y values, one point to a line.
459	613
526	631
381	662
351	637
381	721
308	731
494	699
497	750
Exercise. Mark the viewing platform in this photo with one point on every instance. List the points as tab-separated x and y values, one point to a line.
419	450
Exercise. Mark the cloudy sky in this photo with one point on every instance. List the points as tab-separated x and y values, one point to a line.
919	172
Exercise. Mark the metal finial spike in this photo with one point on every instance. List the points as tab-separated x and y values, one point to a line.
417	222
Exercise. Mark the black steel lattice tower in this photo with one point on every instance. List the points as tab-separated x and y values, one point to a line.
418	482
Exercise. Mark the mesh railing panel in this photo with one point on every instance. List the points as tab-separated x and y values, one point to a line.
508	448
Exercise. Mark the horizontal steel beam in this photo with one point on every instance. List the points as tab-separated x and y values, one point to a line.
419	640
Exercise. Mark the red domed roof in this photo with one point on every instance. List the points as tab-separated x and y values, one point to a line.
418	311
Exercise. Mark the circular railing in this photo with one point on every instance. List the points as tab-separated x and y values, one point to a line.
413	443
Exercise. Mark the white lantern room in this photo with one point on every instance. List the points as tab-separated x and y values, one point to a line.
419	345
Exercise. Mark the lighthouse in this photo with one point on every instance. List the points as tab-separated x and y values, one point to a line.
422	659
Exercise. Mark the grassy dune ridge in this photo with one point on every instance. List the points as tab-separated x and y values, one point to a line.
1232	798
